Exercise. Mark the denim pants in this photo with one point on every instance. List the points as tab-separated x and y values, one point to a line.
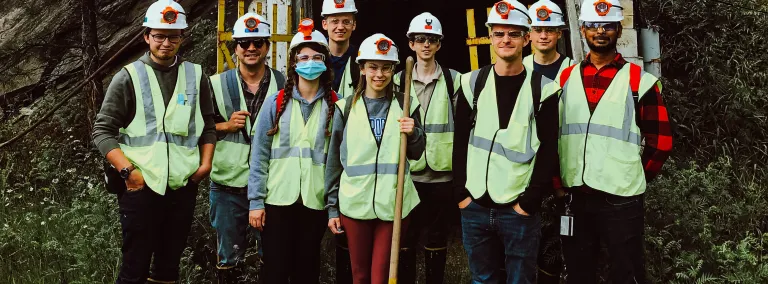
229	216
487	231
613	220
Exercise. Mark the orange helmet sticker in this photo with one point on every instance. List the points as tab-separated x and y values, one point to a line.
503	8
306	26
170	15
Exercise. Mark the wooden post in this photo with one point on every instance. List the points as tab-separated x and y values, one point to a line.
572	9
473	64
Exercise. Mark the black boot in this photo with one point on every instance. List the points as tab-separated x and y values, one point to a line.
434	263
406	270
343	266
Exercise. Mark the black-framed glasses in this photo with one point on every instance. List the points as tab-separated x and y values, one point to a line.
511	34
160	38
546	30
246	43
595	26
425	38
306	57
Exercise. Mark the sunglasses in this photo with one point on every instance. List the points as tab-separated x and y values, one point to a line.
246	43
425	38
608	27
511	34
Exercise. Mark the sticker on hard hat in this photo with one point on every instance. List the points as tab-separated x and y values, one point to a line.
602	7
503	9
428	26
170	15
306	26
339	3
543	13
252	24
383	46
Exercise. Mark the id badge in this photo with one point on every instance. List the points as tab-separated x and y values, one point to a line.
566	226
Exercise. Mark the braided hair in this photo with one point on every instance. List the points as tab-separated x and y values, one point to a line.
326	82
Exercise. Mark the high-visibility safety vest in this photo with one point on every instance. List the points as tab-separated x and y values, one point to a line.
162	141
602	149
349	78
297	160
231	159
545	82
369	181
438	124
500	161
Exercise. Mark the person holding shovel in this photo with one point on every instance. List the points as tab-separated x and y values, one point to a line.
362	166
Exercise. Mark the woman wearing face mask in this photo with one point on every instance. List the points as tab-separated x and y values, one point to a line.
363	156
285	185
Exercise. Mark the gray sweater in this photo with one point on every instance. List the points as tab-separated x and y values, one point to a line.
119	105
377	110
262	144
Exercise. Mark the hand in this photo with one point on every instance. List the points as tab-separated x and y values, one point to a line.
202	171
406	125
520	210
236	122
257	218
135	181
464	203
335	225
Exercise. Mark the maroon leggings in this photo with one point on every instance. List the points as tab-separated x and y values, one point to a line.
370	242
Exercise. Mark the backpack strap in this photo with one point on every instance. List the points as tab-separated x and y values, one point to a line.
566	74
536	92
279	78
234	88
448	80
634	78
402	82
477	83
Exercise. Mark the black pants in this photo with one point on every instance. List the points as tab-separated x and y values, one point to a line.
431	217
292	238
154	226
613	220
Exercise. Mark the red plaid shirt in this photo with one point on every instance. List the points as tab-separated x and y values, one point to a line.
652	117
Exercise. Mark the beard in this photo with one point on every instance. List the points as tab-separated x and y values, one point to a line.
259	62
611	46
162	56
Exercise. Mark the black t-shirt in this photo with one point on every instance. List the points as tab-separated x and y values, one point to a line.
550	71
507	88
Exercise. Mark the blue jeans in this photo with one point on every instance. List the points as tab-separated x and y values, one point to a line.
229	216
488	231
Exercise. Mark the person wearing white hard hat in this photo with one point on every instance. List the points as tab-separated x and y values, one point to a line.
615	138
238	96
156	129
547	23
361	170
503	155
285	184
433	85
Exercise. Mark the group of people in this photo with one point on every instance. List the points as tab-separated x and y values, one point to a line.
291	155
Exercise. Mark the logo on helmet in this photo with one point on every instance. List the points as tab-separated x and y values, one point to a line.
306	26
170	15
383	46
542	13
602	7
339	3
503	9
429	24
252	24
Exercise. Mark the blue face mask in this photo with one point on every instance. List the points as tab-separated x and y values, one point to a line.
311	69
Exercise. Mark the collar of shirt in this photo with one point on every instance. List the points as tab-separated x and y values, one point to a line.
617	61
427	79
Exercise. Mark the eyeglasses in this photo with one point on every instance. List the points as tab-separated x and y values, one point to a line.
315	57
425	38
608	27
546	30
512	34
346	22
386	69
246	43
160	38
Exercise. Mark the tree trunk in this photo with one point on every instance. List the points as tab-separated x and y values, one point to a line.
93	91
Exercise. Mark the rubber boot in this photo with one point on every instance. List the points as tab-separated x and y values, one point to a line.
343	266
434	263
406	270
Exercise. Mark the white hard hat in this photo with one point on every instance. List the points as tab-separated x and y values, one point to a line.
425	23
331	7
306	33
377	47
165	15
251	25
509	12
546	13
601	11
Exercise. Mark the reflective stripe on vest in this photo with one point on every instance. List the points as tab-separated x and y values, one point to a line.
602	149
500	161
299	148
369	181
438	126
162	141
231	159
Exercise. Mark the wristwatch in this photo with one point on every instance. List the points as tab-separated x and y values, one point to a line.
125	173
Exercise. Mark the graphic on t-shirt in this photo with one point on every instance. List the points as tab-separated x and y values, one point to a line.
377	124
